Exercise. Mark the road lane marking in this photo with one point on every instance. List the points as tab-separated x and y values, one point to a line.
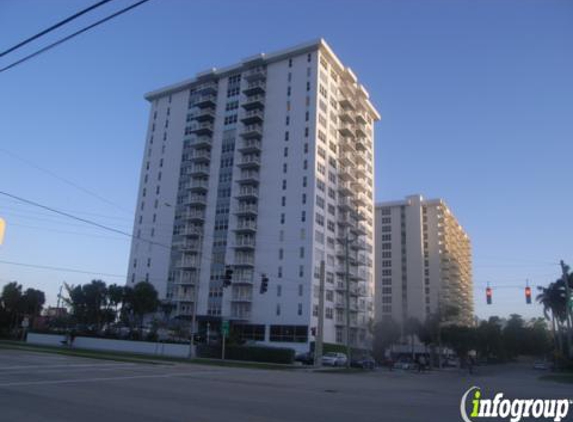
100	379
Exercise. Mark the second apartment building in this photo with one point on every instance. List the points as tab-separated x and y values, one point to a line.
423	261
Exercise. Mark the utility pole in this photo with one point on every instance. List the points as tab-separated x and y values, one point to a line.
192	350
347	271
320	329
569	316
59	298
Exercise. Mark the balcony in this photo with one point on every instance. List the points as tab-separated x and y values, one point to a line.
361	144
198	200
345	204
244	260
192	231
248	177
255	73
359	245
246	226
359	186
209	87
253	102
255	88
360	200
200	155
347	103
242	242
360	171
198	170
345	116
187	263
246	315
205	100
250	161
248	193
347	145
242	297
346	174
253	116
198	185
345	188
194	216
361	118
203	115
249	146
252	131
360	157
361	130
186	278
346	129
247	210
346	159
202	142
188	247
202	128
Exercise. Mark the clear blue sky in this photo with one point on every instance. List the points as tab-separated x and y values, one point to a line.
476	99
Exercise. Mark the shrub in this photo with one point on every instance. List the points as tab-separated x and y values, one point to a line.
248	353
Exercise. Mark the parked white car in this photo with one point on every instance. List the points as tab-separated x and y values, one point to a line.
334	359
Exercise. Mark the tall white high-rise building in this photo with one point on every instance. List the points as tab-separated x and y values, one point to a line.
423	262
263	167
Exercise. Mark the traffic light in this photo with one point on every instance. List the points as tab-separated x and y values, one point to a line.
488	295
528	295
228	278
264	284
313	331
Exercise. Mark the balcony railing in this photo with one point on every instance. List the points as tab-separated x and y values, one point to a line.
250	145
255	87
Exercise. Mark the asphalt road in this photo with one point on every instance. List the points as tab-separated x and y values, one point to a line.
38	387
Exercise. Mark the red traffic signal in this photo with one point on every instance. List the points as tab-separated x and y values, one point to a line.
528	295
488	295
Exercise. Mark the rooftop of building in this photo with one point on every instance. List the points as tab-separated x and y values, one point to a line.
266	58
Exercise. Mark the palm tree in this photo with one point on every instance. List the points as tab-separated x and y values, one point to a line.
552	298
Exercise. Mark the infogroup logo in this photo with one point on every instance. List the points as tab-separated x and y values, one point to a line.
513	409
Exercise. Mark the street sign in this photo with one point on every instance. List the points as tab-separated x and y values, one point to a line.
225	328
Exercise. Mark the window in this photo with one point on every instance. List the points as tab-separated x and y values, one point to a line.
278	309
279	290
284	184
329	314
289	333
299	311
283	201
286	135
286	152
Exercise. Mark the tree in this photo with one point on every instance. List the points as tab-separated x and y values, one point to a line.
386	333
411	329
513	334
32	302
89	303
461	339
143	300
11	300
489	339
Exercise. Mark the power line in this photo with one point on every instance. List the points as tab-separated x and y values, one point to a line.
55	26
62	179
69	270
84	220
75	34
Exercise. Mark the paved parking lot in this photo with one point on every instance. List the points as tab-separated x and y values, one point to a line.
44	387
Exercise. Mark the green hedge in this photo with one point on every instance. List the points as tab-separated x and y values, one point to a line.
248	353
